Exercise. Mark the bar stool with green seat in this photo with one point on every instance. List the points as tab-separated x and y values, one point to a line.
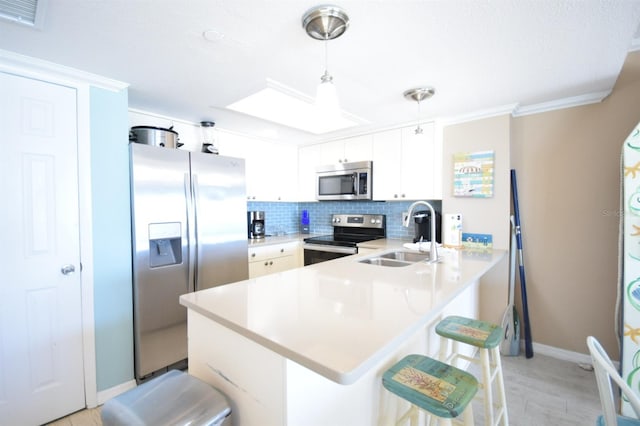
439	389
486	337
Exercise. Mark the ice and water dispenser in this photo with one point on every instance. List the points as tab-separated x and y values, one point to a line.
165	243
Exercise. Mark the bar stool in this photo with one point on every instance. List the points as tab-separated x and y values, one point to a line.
486	337
443	391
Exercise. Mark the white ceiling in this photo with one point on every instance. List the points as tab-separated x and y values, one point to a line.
478	54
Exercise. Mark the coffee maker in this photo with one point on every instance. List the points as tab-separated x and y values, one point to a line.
255	224
422	221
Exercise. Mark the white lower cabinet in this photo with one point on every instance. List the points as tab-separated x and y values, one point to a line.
274	258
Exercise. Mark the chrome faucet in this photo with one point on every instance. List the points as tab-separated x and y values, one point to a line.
433	250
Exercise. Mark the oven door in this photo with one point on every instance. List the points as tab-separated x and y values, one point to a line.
316	253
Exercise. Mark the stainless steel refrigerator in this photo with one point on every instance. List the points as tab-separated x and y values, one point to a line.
189	234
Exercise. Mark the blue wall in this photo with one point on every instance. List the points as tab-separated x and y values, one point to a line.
285	217
113	306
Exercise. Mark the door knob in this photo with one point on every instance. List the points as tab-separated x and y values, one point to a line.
67	269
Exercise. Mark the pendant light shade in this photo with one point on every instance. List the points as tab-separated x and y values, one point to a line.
326	23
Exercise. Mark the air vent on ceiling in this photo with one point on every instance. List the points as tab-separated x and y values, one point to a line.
26	12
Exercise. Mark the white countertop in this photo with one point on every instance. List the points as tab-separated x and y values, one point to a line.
276	239
338	318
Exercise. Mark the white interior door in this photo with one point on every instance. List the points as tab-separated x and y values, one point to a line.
41	364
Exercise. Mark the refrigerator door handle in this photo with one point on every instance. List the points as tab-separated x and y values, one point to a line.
191	231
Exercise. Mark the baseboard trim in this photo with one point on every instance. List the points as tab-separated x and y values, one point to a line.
105	395
550	351
561	354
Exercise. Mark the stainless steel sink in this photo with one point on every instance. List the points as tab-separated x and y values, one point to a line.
384	262
406	256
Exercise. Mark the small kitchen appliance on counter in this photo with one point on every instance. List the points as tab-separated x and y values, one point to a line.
255	224
348	231
422	221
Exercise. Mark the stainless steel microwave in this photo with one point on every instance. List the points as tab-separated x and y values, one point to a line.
345	181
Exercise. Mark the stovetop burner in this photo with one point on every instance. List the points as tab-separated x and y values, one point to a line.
341	240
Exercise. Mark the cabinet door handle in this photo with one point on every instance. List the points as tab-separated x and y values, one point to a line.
253	255
281	250
271	263
266	263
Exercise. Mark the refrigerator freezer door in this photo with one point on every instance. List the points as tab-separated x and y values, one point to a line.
160	191
221	228
630	253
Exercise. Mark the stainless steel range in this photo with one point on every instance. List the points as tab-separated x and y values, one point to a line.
348	231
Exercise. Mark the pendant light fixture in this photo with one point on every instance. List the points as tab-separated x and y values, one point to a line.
419	94
325	23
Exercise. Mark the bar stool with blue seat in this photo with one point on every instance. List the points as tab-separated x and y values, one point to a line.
486	337
442	391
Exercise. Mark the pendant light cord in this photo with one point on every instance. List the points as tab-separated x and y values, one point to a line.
326	54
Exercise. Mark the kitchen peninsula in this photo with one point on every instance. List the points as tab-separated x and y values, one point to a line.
308	346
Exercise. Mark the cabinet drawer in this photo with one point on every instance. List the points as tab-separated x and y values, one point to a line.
272	251
270	266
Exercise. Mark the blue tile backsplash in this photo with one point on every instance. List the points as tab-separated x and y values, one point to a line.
284	218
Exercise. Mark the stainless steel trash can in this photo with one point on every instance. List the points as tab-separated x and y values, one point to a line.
175	398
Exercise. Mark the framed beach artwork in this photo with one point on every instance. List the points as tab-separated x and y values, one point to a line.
473	174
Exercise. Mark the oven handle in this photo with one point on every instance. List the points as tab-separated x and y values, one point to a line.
331	249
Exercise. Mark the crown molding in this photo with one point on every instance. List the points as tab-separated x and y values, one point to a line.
570	102
478	115
33	67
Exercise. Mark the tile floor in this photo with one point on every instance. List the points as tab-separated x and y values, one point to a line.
547	391
541	391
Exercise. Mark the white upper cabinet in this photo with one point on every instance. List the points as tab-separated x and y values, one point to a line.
359	148
269	167
308	160
387	160
406	165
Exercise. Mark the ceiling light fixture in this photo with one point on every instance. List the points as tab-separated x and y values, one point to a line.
325	23
284	105
419	94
